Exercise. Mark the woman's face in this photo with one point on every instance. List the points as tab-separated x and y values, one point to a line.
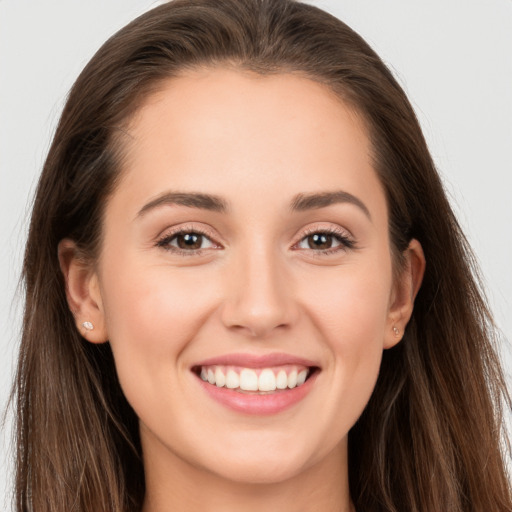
246	244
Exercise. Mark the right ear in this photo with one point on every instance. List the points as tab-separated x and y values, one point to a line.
82	292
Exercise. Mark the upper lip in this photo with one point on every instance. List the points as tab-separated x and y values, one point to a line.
256	361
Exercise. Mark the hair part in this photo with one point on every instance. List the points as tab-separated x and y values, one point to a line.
429	439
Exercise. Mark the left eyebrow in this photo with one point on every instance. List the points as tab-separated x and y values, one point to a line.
188	199
303	202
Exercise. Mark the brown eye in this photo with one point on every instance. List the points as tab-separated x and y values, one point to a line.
326	241
189	241
320	241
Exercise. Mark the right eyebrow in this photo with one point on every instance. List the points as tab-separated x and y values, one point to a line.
303	202
189	199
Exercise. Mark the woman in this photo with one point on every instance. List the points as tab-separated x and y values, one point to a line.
245	286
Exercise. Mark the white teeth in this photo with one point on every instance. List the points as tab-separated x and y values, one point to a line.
267	380
232	380
220	378
292	379
301	377
248	380
281	380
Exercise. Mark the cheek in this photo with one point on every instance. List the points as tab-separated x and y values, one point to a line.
150	318
351	305
351	315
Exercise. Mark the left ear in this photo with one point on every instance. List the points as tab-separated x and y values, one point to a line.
404	292
82	292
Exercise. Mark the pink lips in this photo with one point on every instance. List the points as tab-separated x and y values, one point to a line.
254	403
255	361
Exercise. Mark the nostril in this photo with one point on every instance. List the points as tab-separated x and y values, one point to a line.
258	306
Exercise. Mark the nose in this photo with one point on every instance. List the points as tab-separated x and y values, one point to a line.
259	296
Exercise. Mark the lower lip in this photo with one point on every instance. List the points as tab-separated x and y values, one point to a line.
247	403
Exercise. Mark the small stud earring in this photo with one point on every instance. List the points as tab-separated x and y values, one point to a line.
88	326
396	330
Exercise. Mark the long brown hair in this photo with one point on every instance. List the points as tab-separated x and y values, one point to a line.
431	437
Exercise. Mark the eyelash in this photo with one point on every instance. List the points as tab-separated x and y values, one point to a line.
165	241
339	235
345	241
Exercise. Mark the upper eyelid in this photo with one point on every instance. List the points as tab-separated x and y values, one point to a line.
332	230
328	230
186	228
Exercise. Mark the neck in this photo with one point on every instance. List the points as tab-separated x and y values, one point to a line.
173	484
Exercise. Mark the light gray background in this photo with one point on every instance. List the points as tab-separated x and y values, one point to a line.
453	58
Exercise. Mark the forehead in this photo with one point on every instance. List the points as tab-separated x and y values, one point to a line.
223	131
215	102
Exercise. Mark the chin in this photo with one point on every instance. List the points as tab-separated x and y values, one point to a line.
263	471
268	464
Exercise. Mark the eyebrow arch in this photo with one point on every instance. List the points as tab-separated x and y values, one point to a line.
303	202
190	199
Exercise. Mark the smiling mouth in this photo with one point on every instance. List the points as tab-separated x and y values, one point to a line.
255	380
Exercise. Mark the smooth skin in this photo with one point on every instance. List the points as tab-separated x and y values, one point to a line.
256	280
